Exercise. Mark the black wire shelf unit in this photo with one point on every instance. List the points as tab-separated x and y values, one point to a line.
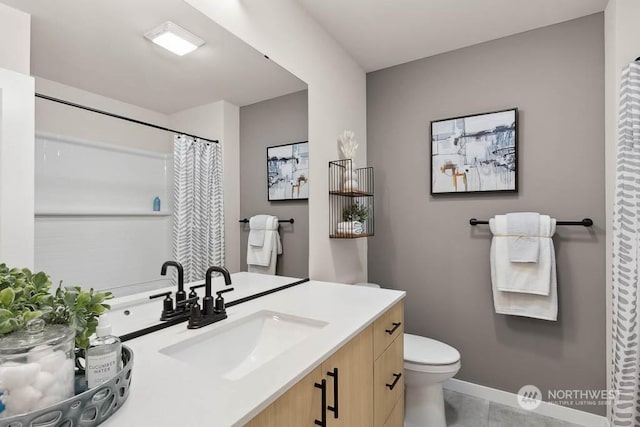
351	213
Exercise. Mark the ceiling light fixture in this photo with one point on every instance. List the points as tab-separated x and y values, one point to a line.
174	38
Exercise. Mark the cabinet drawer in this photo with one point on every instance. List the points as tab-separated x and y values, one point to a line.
389	326
396	419
388	380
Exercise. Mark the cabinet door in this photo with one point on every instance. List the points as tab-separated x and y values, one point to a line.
300	406
388	381
349	372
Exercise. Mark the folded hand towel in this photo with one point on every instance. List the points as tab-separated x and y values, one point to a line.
504	273
262	259
257	225
350	227
523	229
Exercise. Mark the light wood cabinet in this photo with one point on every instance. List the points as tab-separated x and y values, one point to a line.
355	381
396	419
388	378
388	349
350	383
300	406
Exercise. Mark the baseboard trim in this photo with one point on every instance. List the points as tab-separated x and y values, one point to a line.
509	399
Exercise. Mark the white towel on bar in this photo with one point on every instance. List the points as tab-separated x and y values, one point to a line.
263	259
257	228
529	278
523	229
520	303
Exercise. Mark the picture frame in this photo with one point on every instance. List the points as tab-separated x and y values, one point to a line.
476	153
288	171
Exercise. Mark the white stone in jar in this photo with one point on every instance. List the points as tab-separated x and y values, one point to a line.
44	380
14	376
51	363
21	400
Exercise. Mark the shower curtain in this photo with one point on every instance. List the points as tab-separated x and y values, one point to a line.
198	218
625	375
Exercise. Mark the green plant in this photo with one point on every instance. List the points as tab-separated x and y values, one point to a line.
355	212
25	296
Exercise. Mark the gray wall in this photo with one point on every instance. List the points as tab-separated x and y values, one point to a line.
425	245
276	121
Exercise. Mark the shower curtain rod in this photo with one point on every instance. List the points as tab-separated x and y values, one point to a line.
117	116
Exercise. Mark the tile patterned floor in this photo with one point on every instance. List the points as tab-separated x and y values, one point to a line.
467	411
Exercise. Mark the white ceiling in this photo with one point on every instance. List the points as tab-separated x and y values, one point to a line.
383	33
99	46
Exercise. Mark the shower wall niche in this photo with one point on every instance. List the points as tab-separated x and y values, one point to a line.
95	224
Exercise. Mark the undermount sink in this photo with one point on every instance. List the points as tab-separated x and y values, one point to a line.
238	348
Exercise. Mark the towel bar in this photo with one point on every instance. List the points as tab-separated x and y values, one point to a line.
587	222
290	220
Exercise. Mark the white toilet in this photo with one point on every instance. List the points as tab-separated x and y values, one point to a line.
427	364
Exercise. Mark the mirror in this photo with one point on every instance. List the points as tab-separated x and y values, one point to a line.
105	186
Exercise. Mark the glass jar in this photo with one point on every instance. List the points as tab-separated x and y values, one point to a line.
37	366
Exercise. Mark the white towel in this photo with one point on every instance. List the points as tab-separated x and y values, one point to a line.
263	259
519	303
258	226
529	278
523	229
350	227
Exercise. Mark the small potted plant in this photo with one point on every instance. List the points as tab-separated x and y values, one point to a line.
40	333
354	218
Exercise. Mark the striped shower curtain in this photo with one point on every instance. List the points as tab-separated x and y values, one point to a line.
198	218
625	375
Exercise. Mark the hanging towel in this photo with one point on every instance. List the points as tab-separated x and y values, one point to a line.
263	259
528	278
519	303
523	229
257	226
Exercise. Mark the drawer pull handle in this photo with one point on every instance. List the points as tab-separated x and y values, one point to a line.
396	325
334	374
322	386
395	381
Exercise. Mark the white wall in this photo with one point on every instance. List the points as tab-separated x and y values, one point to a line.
58	119
16	169
16	139
337	100
220	120
622	33
15	39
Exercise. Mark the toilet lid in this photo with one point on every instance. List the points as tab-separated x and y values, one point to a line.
425	351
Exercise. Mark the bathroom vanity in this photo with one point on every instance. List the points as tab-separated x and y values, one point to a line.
274	361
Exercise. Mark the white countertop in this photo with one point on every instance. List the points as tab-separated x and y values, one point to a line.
168	392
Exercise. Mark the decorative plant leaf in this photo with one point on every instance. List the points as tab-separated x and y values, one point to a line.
7	296
25	296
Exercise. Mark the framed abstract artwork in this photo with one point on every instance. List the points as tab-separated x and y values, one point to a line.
475	154
288	171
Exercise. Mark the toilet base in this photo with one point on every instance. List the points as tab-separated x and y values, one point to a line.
424	406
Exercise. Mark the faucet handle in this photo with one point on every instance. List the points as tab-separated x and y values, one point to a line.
193	290
219	293
163	294
167	305
219	307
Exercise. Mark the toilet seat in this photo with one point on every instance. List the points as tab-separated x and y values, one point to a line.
421	351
